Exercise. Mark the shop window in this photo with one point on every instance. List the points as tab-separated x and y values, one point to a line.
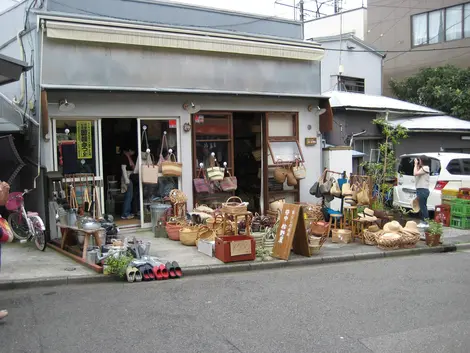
285	151
351	84
75	143
281	125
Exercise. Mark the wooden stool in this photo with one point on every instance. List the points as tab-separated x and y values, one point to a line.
334	219
248	217
349	213
363	225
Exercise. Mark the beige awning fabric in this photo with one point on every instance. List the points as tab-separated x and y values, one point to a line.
163	37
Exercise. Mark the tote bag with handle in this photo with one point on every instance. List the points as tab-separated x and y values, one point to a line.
201	184
229	183
148	169
215	172
171	167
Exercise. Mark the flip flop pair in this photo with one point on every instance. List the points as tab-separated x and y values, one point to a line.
133	274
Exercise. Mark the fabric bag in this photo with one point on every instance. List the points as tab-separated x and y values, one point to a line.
6	234
201	185
162	159
281	172
325	188
363	195
149	171
171	167
299	170
335	189
315	189
4	193
229	183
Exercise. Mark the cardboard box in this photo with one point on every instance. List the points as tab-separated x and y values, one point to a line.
206	247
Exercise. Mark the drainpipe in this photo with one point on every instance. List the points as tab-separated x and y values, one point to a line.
355	135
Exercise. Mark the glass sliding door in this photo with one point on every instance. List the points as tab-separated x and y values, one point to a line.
157	136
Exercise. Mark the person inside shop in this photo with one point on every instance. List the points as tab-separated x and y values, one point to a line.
127	187
421	173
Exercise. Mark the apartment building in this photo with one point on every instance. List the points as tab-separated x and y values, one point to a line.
424	33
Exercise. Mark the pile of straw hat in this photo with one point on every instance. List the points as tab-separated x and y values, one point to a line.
367	216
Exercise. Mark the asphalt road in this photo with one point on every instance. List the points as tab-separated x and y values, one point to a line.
408	304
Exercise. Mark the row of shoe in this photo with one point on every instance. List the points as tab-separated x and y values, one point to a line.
153	271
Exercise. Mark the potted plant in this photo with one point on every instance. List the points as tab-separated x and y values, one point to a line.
433	233
117	265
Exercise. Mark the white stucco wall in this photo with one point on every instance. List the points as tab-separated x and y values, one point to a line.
134	105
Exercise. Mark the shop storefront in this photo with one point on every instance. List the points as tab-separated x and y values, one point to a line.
231	98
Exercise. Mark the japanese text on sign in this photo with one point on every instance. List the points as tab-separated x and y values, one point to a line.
84	140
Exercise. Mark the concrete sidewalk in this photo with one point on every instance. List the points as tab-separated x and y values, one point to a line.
24	266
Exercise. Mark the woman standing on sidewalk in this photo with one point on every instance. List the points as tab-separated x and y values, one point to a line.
421	173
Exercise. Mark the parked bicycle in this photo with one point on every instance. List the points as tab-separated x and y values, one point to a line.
26	226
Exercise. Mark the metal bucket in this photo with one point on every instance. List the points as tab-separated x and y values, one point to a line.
71	218
157	211
63	216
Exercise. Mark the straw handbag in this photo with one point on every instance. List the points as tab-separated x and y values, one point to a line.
202	185
234	207
299	170
206	233
363	195
188	235
149	171
215	173
4	193
172	168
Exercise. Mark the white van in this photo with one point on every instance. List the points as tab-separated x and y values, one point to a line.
448	170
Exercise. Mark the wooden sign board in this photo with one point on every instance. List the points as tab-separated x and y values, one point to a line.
291	233
310	141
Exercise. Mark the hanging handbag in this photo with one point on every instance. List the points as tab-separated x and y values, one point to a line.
281	172
299	170
335	189
171	167
4	193
149	171
229	183
201	185
315	189
363	195
162	159
215	172
325	187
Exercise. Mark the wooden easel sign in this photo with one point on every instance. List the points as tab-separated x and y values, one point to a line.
291	233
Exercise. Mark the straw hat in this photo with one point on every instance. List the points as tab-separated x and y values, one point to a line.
411	227
392	227
367	216
374	228
415	205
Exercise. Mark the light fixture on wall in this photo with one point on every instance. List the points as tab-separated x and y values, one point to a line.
66	106
321	110
191	108
186	127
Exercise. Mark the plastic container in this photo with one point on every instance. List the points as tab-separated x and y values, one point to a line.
157	211
442	214
460	222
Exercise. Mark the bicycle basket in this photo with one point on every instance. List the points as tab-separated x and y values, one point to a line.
15	200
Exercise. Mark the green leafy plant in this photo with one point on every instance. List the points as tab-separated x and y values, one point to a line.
445	88
384	169
118	265
435	228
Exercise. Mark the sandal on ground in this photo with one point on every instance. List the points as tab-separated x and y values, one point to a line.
138	275
177	269
171	270
130	274
157	273
3	314
164	271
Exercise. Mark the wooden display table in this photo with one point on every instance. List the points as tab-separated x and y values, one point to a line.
248	217
87	233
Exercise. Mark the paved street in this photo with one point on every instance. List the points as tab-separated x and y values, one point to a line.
406	304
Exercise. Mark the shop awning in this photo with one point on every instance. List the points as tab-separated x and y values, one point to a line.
11	69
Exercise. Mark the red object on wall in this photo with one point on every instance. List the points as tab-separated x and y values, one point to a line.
222	248
172	124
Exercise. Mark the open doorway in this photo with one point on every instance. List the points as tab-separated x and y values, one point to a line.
247	140
119	148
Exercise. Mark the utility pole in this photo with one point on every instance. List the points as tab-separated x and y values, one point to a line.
302	18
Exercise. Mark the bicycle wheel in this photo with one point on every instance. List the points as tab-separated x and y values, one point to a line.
40	240
19	226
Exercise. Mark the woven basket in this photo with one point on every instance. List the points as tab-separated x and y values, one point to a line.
370	238
173	231
188	235
409	240
315	243
386	243
341	236
205	233
314	212
234	207
317	228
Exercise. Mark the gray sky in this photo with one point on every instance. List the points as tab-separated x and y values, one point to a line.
262	7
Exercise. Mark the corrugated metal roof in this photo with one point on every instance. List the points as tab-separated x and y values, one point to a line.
366	102
440	122
354	152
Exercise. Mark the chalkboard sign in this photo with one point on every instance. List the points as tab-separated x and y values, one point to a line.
291	233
